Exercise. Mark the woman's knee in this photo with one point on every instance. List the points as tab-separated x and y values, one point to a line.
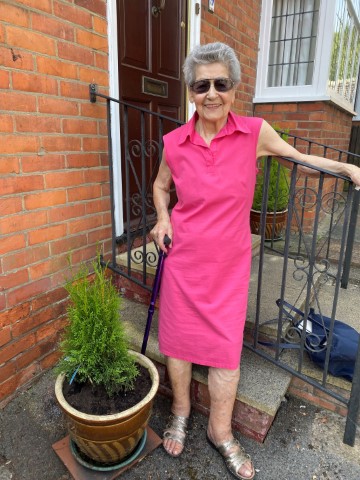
181	366
223	375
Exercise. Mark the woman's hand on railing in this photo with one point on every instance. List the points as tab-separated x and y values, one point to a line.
354	174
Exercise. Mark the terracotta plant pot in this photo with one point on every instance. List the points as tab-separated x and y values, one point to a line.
275	223
109	439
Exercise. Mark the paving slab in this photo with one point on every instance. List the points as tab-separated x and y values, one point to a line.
304	443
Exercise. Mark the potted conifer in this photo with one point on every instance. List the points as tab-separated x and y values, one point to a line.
278	197
105	390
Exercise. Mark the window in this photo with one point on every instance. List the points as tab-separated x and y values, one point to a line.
309	50
293	37
345	51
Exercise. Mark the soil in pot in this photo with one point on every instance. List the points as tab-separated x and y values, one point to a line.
94	400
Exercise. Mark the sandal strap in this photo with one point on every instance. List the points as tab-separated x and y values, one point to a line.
177	422
174	436
234	460
176	428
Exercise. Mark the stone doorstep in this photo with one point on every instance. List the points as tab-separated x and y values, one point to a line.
255	406
272	274
247	419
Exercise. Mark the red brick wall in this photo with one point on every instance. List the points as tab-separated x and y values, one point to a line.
53	175
319	121
236	24
299	388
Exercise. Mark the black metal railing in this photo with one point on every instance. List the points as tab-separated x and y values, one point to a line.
354	147
142	151
305	270
331	211
315	248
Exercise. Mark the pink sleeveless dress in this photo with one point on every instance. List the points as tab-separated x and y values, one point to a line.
204	287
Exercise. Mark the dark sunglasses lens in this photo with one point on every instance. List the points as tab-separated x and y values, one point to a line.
220	84
201	86
223	84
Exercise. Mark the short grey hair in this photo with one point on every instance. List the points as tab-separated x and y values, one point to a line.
212	53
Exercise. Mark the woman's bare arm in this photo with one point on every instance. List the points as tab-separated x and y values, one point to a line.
161	196
270	143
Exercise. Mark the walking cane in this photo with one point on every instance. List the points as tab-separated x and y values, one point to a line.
154	294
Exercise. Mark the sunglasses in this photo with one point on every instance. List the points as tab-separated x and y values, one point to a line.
220	85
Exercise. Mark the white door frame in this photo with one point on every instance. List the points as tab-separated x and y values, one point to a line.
114	80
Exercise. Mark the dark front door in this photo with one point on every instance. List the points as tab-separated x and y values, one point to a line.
152	42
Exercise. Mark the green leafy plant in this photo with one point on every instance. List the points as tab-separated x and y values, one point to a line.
278	195
95	347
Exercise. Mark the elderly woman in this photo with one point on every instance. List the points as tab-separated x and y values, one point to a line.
212	162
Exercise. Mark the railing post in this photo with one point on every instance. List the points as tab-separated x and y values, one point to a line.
265	195
350	238
111	179
353	405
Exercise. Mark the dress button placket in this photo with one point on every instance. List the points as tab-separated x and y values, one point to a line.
210	158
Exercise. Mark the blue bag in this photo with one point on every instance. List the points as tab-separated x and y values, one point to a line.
344	345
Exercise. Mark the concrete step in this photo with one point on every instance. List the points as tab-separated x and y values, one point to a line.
295	293
262	385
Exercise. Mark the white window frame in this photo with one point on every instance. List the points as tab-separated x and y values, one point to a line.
356	118
318	90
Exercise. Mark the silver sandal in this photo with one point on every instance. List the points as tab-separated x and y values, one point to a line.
233	460
176	430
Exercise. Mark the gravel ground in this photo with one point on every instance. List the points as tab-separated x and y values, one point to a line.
304	443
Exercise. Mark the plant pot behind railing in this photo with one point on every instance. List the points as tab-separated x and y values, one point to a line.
274	226
272	178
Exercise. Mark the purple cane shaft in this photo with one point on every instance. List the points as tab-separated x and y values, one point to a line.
154	294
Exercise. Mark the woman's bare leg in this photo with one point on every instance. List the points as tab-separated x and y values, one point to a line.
222	388
180	373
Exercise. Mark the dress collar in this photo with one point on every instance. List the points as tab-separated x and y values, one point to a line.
234	123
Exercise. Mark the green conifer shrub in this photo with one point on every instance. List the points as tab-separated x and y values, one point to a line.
95	346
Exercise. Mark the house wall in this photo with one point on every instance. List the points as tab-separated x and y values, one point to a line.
53	166
53	175
237	24
54	190
319	121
